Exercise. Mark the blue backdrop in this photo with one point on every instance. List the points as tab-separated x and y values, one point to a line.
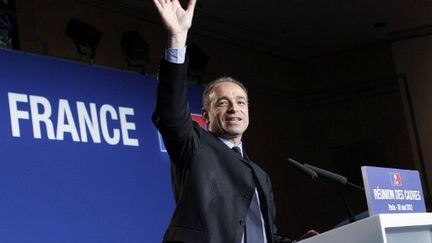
80	158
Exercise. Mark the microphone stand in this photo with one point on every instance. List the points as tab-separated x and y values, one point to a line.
315	173
349	211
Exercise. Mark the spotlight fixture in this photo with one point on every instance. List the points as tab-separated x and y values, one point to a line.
85	37
135	50
7	25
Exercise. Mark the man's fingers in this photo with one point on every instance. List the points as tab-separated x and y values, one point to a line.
309	234
162	3
158	4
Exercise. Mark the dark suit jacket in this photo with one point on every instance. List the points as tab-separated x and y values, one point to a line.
212	184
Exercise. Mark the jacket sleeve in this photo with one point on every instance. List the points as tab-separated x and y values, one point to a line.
172	115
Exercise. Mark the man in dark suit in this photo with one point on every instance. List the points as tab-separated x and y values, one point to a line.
221	195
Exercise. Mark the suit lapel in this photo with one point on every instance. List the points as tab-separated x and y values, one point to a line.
258	172
261	177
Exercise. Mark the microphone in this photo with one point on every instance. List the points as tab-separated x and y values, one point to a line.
306	170
333	176
315	171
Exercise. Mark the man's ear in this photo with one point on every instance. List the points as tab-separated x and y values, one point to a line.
204	115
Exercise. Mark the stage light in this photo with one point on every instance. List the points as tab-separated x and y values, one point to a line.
135	50
85	37
7	25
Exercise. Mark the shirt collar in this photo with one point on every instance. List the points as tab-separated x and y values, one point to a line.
231	145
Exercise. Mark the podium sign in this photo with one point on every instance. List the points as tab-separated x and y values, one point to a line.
392	190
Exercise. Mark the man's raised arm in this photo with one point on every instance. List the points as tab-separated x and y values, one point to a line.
172	115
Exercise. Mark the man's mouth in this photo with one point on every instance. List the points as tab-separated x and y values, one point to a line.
233	119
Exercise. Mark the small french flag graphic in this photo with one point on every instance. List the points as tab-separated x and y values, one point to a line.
396	179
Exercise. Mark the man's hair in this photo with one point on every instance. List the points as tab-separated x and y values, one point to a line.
210	86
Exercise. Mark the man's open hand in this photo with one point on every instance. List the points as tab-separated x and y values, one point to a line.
177	20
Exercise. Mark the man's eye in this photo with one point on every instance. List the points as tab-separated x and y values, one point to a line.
241	102
222	103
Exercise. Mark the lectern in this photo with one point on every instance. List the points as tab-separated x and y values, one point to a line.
381	228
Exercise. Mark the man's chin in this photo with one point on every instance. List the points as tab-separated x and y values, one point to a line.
231	133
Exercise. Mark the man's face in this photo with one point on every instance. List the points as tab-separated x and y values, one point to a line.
228	114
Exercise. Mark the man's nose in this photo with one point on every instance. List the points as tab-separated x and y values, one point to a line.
233	107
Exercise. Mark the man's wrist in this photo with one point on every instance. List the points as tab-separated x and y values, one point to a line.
177	41
175	55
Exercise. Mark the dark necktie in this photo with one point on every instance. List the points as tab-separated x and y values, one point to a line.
253	226
237	150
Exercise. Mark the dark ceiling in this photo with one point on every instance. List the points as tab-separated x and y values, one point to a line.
297	29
